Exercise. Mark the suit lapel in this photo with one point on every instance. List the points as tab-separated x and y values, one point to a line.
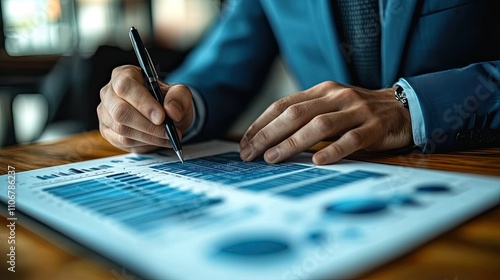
326	33
396	19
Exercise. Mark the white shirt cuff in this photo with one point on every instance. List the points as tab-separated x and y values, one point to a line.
417	118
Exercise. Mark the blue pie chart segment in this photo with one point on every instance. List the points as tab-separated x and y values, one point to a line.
357	206
255	247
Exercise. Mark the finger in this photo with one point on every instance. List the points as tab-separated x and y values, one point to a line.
291	120
276	109
128	84
318	91
154	135
286	124
116	112
320	128
350	142
178	103
124	143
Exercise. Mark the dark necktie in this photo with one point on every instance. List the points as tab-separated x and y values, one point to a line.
359	27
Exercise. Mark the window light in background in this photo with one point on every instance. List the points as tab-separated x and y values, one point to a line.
38	27
29	112
180	23
41	27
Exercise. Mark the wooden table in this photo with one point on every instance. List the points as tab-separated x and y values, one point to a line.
470	251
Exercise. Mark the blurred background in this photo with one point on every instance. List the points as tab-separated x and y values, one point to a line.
55	56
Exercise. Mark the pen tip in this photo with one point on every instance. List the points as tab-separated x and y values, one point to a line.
179	155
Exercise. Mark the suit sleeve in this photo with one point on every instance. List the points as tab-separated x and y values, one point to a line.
229	66
459	107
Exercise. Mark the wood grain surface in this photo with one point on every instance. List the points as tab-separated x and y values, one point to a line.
470	251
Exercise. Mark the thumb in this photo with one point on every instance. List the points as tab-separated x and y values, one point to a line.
178	104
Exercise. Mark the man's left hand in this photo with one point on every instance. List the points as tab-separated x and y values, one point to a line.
357	118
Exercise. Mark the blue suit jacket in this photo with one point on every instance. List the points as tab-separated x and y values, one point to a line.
443	50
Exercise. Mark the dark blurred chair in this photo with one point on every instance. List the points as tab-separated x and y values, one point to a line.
72	86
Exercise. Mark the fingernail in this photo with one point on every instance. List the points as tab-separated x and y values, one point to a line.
272	154
246	152
155	117
320	158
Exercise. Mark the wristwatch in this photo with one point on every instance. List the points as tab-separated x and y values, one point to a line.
400	95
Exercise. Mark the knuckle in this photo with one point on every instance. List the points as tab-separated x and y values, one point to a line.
116	71
120	113
322	123
293	143
251	131
356	138
142	105
346	94
339	150
102	130
329	84
156	130
327	87
103	91
262	136
378	124
121	129
364	107
99	109
295	112
150	139
120	69
279	105
125	141
122	85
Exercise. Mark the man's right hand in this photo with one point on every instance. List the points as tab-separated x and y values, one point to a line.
131	119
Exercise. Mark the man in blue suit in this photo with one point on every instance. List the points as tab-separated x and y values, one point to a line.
376	75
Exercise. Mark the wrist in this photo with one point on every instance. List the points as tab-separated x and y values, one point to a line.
416	115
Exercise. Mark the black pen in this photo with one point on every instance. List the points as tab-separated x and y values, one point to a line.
151	78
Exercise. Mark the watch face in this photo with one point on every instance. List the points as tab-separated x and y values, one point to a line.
401	96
